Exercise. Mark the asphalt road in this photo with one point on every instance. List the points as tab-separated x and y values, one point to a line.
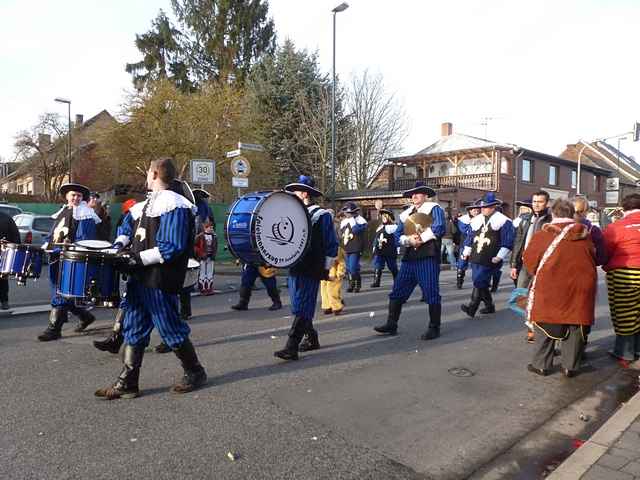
362	407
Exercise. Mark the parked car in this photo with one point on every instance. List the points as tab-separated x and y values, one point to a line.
10	210
33	228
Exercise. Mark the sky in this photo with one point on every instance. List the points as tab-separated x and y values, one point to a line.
545	72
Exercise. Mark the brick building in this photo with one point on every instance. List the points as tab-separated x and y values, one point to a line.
462	168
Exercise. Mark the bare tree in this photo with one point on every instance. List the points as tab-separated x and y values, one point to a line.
377	125
43	154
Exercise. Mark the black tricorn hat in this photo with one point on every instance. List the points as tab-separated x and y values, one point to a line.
304	184
420	187
75	187
388	212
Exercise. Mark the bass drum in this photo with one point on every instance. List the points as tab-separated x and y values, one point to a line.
271	228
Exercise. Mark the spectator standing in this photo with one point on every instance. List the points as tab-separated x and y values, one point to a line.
561	304
527	227
103	229
622	244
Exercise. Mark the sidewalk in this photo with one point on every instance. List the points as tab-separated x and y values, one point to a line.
612	453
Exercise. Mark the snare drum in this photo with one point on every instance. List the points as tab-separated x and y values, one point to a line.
89	276
193	270
21	261
270	228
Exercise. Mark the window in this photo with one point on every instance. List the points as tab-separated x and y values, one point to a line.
553	175
526	170
574	178
405	171
504	166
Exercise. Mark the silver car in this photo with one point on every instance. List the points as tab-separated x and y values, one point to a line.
10	210
33	228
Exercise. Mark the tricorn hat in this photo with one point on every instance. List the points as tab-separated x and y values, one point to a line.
304	184
420	187
75	187
472	205
489	200
350	207
388	212
200	194
524	203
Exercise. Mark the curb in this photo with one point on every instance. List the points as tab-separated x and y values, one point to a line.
600	442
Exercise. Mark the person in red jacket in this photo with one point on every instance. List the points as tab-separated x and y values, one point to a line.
622	245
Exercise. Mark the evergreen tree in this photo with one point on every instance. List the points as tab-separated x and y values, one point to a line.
216	40
162	56
293	97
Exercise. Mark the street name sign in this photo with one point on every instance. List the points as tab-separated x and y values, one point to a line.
253	147
240	182
234	153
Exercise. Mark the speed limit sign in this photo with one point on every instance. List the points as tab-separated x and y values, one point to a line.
203	171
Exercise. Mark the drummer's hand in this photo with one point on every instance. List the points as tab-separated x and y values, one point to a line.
118	246
496	260
130	261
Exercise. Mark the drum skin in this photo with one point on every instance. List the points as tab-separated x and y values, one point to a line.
21	260
268	228
89	277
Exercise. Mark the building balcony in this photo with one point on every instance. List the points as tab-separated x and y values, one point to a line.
477	181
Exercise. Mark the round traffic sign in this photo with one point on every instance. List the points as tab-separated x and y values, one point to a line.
240	167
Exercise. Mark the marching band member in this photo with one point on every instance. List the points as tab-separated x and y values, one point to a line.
267	276
420	228
74	222
114	341
385	251
464	227
487	246
157	262
304	278
352	231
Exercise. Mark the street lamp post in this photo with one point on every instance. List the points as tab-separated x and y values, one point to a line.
584	145
340	8
68	102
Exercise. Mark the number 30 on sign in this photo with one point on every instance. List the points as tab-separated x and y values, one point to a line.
203	171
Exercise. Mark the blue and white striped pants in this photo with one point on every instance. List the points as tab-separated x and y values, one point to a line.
424	272
303	292
148	308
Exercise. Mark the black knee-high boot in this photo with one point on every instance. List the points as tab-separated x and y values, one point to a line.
243	302
57	317
391	327
460	278
296	332
435	313
485	296
194	374
352	282
357	283
126	386
471	308
114	341
377	275
274	294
